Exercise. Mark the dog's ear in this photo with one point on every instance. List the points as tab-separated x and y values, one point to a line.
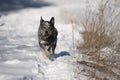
52	20
41	20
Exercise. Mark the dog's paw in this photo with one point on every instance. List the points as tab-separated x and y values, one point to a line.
46	53
51	58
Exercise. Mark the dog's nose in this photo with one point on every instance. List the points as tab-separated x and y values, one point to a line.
46	32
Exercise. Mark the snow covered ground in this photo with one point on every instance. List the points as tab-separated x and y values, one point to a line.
20	55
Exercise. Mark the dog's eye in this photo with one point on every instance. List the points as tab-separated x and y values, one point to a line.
43	27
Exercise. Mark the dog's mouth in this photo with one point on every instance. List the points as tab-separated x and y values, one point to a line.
46	36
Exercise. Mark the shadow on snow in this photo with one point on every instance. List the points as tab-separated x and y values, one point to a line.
63	53
12	5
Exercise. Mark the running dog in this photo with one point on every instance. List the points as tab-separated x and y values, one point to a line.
47	36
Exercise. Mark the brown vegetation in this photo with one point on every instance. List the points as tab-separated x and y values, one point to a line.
100	29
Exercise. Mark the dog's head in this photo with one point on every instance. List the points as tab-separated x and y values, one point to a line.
47	27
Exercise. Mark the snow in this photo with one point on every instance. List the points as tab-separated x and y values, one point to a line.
20	55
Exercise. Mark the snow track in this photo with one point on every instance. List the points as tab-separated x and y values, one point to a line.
20	55
19	49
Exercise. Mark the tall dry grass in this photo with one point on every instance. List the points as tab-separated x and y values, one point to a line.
100	49
101	28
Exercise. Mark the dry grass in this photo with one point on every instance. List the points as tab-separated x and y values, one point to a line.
101	32
100	29
94	40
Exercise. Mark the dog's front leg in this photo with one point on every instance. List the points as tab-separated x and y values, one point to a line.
44	50
53	48
50	49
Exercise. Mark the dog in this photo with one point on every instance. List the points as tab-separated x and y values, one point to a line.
47	36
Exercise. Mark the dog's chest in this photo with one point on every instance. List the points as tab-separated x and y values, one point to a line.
47	41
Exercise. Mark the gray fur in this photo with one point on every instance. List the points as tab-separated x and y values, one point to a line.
47	33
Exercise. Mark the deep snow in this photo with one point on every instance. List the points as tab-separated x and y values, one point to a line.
20	55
